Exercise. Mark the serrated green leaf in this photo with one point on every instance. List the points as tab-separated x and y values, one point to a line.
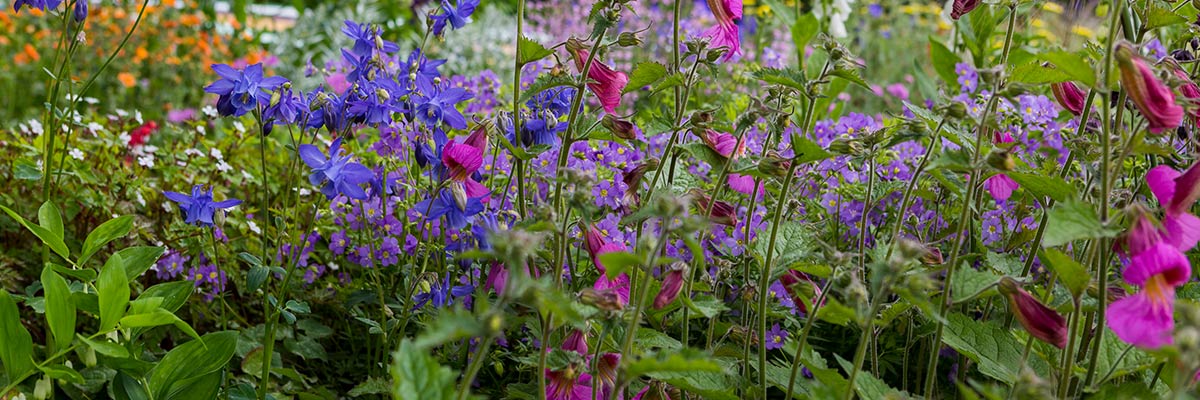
993	348
868	386
971	284
944	61
546	82
449	326
807	150
852	76
1073	220
416	375
792	245
645	74
1044	186
1157	15
529	50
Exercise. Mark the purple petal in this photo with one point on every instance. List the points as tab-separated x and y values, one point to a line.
1161	180
226	72
183	199
311	156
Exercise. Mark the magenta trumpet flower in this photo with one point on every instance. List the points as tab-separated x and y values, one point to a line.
725	33
1040	321
1069	96
1000	186
606	84
1177	192
1146	319
1154	98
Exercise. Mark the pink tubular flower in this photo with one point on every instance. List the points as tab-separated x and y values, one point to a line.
791	281
1000	186
1176	192
463	159
725	34
617	288
1069	96
1040	321
722	213
1146	319
723	143
608	82
962	7
1152	97
671	286
596	244
1190	91
744	184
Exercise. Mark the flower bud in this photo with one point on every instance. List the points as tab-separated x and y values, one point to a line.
962	7
383	95
577	342
715	54
80	12
460	195
1040	321
1001	159
619	127
957	110
800	286
722	213
845	145
1154	99
607	300
671	286
774	165
628	39
1069	96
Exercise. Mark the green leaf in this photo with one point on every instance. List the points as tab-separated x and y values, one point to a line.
804	30
529	51
60	309
852	76
449	326
703	153
256	277
62	372
1074	220
650	339
105	347
198	357
1109	358
970	284
158	317
1044	186
807	150
17	352
993	348
793	244
1157	15
672	363
943	63
55	242
113	291
868	386
704	306
373	385
111	230
172	294
1076	66
139	259
416	375
546	82
1073	275
50	218
83	275
783	77
617	262
202	387
645	74
27	171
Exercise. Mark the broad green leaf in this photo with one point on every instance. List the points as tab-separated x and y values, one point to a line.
672	363
1035	73
16	353
416	375
126	387
706	384
1074	65
545	82
83	275
202	387
50	218
373	385
1157	15
970	284
172	294
803	31
993	348
827	376
529	51
1074	220
27	171
701	152
704	306
111	230
113	290
198	357
807	150
158	317
449	326
650	339
1110	354
1073	275
944	61
256	277
852	76
784	77
618	262
139	259
792	245
868	386
54	242
60	309
62	372
105	347
645	74
1044	186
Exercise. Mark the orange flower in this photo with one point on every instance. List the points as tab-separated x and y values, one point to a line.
126	79
140	54
32	52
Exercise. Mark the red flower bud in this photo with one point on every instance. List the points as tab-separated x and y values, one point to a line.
1040	321
1069	96
962	7
1152	97
671	286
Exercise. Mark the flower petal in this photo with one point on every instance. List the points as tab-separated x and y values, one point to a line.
1137	321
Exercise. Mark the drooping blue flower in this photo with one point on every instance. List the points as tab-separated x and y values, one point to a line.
199	207
80	12
458	16
38	4
336	174
290	109
440	107
457	214
442	294
366	38
331	114
241	91
375	101
424	71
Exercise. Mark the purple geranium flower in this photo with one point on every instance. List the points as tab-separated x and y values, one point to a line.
776	337
199	207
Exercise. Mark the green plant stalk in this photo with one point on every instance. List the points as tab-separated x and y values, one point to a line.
906	200
1068	360
464	389
867	333
639	304
862	223
972	189
50	121
13	385
1106	186
809	321
519	165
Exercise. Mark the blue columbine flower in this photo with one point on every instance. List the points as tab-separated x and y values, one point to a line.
336	174
365	39
38	4
80	12
424	71
442	294
458	16
199	207
241	91
440	107
457	215
375	101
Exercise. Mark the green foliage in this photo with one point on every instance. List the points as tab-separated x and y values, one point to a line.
417	376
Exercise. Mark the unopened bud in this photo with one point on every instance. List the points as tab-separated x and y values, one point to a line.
1001	159
1040	321
619	127
628	39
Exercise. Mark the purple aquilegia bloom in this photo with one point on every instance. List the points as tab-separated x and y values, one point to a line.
38	4
335	174
776	337
440	107
442	294
364	36
199	207
458	213
424	71
241	91
458	15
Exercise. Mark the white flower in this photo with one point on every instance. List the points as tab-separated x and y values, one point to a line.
333	267
246	174
237	125
209	111
304	192
124	138
137	116
77	154
253	226
146	160
122	113
141	200
193	152
91	100
216	153
35	127
95	127
169	206
224	166
149	148
201	129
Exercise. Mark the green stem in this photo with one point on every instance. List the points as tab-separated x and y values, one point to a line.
809	321
519	165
